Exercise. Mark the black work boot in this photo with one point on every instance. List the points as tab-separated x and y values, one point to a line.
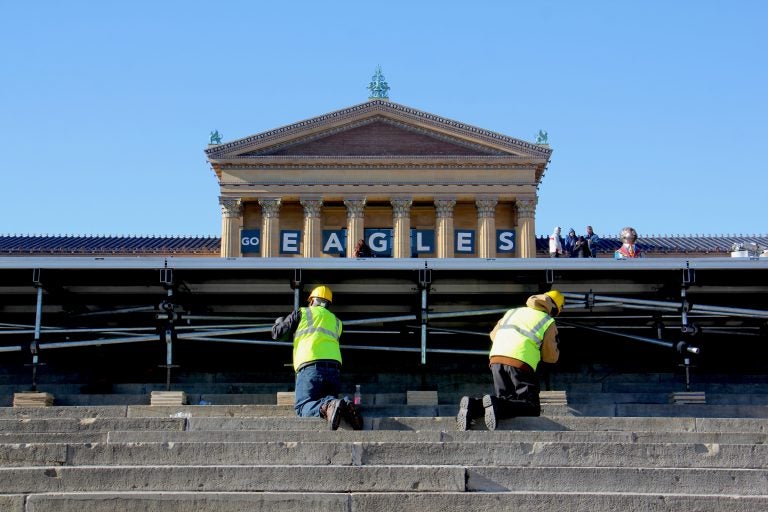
469	408
333	410
489	403
352	415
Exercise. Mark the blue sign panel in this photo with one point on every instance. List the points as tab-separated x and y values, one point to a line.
379	240
290	241
334	241
505	240
464	241
422	241
250	241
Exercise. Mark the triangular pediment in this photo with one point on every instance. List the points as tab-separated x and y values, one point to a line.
378	129
378	136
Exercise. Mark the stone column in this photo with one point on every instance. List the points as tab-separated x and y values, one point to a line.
401	221
311	237
231	221
270	227
355	222
444	227
486	227
526	236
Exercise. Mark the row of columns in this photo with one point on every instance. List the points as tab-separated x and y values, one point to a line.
401	221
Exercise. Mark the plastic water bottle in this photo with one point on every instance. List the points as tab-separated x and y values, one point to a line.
358	396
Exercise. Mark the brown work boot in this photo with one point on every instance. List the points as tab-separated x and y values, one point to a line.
352	416
332	411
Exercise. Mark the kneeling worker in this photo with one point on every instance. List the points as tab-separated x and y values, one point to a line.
521	339
317	360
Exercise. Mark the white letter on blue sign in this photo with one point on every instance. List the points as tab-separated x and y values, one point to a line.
465	241
290	242
420	245
506	241
378	241
333	245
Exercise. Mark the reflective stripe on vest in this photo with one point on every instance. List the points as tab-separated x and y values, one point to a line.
316	337
521	335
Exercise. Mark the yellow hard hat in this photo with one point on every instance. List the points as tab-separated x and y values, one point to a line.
558	298
322	292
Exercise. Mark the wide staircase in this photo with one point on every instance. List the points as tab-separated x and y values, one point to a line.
617	444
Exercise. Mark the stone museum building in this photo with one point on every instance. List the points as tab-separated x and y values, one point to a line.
407	182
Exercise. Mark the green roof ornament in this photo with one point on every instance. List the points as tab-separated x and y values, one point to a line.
378	86
541	137
215	137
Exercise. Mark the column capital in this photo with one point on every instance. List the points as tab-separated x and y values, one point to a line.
355	207
444	207
401	207
270	207
312	206
486	207
526	207
230	206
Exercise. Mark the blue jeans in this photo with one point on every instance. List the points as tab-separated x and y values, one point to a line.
316	384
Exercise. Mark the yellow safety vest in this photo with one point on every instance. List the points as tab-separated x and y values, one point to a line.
521	335
316	337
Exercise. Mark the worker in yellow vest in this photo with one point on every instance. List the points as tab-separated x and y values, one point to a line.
317	360
522	338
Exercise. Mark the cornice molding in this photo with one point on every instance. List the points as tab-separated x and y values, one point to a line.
398	183
404	164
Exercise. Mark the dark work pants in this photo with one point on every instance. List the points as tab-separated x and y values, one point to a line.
517	391
316	384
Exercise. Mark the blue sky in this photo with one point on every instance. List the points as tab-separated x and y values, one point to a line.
656	110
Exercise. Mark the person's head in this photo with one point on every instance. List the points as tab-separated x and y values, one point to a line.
556	230
589	230
628	235
321	296
572	232
558	300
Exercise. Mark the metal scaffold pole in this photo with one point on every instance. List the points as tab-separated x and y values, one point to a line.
35	345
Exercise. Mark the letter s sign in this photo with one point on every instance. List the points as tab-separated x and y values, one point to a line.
505	240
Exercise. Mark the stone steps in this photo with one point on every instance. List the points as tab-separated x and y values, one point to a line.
142	501
382	478
258	457
406	453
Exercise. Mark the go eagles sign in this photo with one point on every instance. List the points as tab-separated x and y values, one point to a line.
378	239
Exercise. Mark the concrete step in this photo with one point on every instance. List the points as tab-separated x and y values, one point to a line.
668	424
378	502
62	425
400	478
424	436
183	420
232	478
529	454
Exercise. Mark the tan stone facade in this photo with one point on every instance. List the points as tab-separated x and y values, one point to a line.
415	184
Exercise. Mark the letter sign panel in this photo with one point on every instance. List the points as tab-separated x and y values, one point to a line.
250	241
379	240
423	241
505	240
465	241
334	241
290	241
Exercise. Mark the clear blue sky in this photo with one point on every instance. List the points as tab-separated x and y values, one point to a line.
656	110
